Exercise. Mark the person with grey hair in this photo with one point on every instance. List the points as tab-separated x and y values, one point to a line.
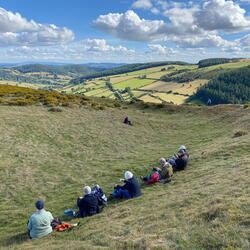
88	205
39	224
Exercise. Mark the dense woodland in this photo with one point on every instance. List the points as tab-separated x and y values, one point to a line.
215	61
182	76
123	69
230	87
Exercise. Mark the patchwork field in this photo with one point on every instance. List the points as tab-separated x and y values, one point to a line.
180	82
148	79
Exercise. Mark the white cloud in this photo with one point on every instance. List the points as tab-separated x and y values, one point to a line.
161	49
155	11
17	31
222	15
129	26
10	22
142	4
163	4
100	45
81	51
207	41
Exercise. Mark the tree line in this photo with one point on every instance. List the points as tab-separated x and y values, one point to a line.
230	87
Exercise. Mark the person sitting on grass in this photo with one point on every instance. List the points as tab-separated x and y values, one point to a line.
39	224
127	121
182	150
181	162
163	174
152	178
166	171
130	189
88	205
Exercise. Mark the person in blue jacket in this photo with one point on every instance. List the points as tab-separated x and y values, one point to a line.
88	205
130	189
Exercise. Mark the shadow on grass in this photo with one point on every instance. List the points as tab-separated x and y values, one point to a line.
17	239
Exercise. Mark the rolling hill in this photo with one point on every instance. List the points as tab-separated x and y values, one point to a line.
157	82
43	76
52	155
171	83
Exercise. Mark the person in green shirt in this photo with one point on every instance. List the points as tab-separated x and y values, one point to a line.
39	224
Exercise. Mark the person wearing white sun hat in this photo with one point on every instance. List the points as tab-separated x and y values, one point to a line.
130	189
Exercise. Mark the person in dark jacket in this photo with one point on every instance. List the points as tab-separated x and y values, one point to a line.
181	162
130	189
127	121
88	205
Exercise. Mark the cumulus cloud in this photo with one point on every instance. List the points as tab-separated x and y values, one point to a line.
100	45
129	26
189	25
142	4
161	49
79	51
17	31
207	41
222	15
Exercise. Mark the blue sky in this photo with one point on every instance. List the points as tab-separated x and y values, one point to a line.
81	31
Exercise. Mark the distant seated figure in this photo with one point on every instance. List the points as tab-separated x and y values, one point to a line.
209	102
127	121
130	189
39	224
88	205
152	178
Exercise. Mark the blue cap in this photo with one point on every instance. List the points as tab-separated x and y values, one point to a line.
39	204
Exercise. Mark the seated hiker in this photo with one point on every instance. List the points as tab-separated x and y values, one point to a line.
182	150
127	121
130	189
152	178
88	205
166	171
181	162
162	174
39	224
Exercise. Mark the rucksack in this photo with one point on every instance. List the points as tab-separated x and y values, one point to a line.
99	194
55	222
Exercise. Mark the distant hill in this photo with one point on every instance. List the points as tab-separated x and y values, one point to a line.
105	65
64	69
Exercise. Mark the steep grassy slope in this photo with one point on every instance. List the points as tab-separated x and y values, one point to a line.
52	156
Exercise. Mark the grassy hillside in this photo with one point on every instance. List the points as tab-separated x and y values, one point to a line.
43	76
171	83
52	156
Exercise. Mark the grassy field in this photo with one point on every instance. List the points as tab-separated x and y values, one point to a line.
146	78
150	80
51	156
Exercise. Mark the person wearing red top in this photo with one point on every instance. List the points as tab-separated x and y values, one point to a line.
152	179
